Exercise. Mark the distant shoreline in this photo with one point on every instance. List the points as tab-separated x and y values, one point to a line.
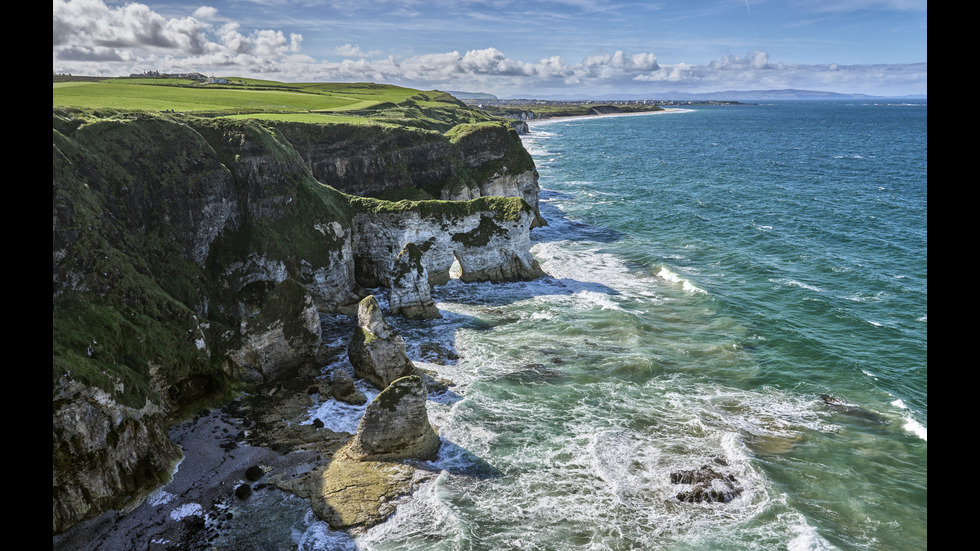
545	120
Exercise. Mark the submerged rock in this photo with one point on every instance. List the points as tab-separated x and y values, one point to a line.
377	351
853	410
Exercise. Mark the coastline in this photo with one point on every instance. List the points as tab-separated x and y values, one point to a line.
664	111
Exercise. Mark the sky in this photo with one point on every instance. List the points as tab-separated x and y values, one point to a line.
510	48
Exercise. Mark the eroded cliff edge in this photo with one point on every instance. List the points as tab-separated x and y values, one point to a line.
191	258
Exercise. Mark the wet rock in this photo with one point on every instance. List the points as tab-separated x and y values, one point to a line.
254	473
853	410
243	491
437	353
342	388
707	485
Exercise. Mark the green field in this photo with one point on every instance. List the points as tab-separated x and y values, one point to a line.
317	102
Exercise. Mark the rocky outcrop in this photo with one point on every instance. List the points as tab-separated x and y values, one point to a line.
489	237
705	484
477	160
284	336
396	425
106	455
362	481
342	388
495	151
409	288
355	495
376	350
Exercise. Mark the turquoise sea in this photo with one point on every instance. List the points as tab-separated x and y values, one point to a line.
738	286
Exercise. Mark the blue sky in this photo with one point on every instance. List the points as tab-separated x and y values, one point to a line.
509	48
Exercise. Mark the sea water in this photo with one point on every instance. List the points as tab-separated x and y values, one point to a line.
739	286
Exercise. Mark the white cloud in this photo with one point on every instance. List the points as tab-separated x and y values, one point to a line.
206	12
353	50
90	37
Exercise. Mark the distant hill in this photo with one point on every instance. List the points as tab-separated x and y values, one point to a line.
471	95
726	95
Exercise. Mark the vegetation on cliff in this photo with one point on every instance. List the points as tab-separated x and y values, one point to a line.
180	210
318	102
136	294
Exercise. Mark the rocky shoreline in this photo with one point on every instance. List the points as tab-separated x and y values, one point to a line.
241	461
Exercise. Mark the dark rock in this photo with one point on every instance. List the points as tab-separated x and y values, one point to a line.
708	485
193	522
342	388
254	473
853	410
243	491
318	423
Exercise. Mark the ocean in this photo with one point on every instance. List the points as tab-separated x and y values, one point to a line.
734	289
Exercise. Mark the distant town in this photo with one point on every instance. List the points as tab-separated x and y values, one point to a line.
484	102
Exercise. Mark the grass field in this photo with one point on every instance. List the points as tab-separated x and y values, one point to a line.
297	102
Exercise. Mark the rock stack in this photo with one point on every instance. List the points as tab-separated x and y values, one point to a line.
396	425
377	351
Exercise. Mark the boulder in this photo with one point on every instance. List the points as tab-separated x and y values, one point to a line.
396	425
706	485
410	296
342	388
377	351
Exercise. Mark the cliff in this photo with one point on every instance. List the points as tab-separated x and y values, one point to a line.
192	256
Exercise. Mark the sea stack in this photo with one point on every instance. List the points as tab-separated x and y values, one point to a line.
377	351
396	425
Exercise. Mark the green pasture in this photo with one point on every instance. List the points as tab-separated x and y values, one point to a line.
317	102
241	96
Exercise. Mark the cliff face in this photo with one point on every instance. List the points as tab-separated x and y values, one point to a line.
191	256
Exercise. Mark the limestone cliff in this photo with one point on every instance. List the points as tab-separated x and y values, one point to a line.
191	256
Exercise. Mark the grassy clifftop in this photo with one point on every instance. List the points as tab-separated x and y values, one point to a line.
362	103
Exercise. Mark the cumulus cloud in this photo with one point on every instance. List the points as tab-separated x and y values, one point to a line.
206	12
101	37
353	50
